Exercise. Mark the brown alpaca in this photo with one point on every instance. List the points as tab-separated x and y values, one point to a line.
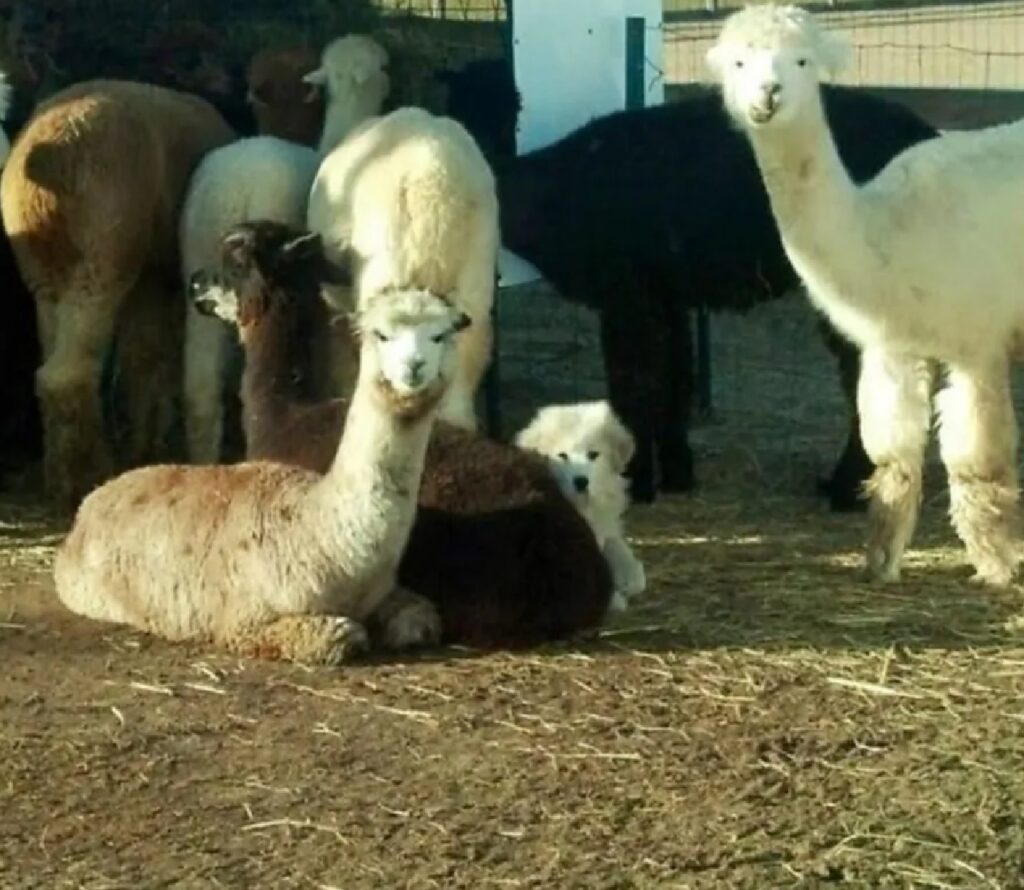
282	103
497	548
90	197
276	560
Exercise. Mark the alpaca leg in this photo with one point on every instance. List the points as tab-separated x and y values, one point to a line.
893	396
626	341
76	331
406	619
206	345
675	399
978	443
149	369
474	355
308	639
853	469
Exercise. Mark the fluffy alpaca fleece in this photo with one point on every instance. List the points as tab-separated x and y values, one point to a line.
899	264
589	449
353	72
496	547
90	198
258	178
283	104
410	197
274	560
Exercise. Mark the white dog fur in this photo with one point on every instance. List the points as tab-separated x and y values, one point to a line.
588	449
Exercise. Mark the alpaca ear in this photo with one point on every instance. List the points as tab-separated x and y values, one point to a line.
236	246
316	78
714	60
835	52
302	247
462	322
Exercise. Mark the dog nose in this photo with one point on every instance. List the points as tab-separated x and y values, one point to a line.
580	483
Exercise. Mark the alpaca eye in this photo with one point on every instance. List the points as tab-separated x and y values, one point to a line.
739	63
380	337
563	456
802	63
438	338
592	455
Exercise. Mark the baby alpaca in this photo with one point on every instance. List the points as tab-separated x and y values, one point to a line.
275	560
588	449
921	264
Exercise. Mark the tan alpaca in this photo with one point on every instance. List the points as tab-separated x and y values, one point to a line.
273	560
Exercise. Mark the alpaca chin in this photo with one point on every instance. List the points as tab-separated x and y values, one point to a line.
410	408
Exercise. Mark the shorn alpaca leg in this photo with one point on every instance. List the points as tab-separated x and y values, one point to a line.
894	398
978	443
844	486
627	345
474	355
405	619
675	407
76	331
149	369
206	347
307	639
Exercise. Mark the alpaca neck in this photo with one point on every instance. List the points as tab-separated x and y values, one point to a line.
381	451
818	207
281	352
342	117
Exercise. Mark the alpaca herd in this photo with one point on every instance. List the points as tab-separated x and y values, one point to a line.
338	272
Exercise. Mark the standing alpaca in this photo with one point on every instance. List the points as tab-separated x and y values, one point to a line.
899	264
277	560
496	547
90	198
413	200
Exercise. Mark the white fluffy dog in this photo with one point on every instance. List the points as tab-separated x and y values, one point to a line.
588	449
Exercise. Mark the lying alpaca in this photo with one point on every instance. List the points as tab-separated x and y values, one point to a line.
495	546
277	560
920	264
589	449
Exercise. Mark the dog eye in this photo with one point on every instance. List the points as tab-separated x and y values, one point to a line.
802	63
380	337
562	455
592	455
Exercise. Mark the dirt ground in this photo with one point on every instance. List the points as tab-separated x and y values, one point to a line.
763	719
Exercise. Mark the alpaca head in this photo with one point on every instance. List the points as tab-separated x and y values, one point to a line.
769	60
408	346
587	447
261	261
354	65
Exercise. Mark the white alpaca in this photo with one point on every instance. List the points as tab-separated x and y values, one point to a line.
410	197
588	449
924	263
258	178
275	560
353	72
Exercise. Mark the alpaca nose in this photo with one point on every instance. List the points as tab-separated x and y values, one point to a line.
416	369
771	91
580	483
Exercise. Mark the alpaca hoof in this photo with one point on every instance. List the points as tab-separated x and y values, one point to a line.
345	639
993	574
618	603
417	624
881	567
842	498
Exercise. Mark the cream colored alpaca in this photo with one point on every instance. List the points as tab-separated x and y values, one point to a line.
274	560
412	199
923	264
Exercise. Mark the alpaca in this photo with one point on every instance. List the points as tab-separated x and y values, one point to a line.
353	72
588	449
274	560
899	265
257	178
413	199
283	104
496	547
95	240
646	215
